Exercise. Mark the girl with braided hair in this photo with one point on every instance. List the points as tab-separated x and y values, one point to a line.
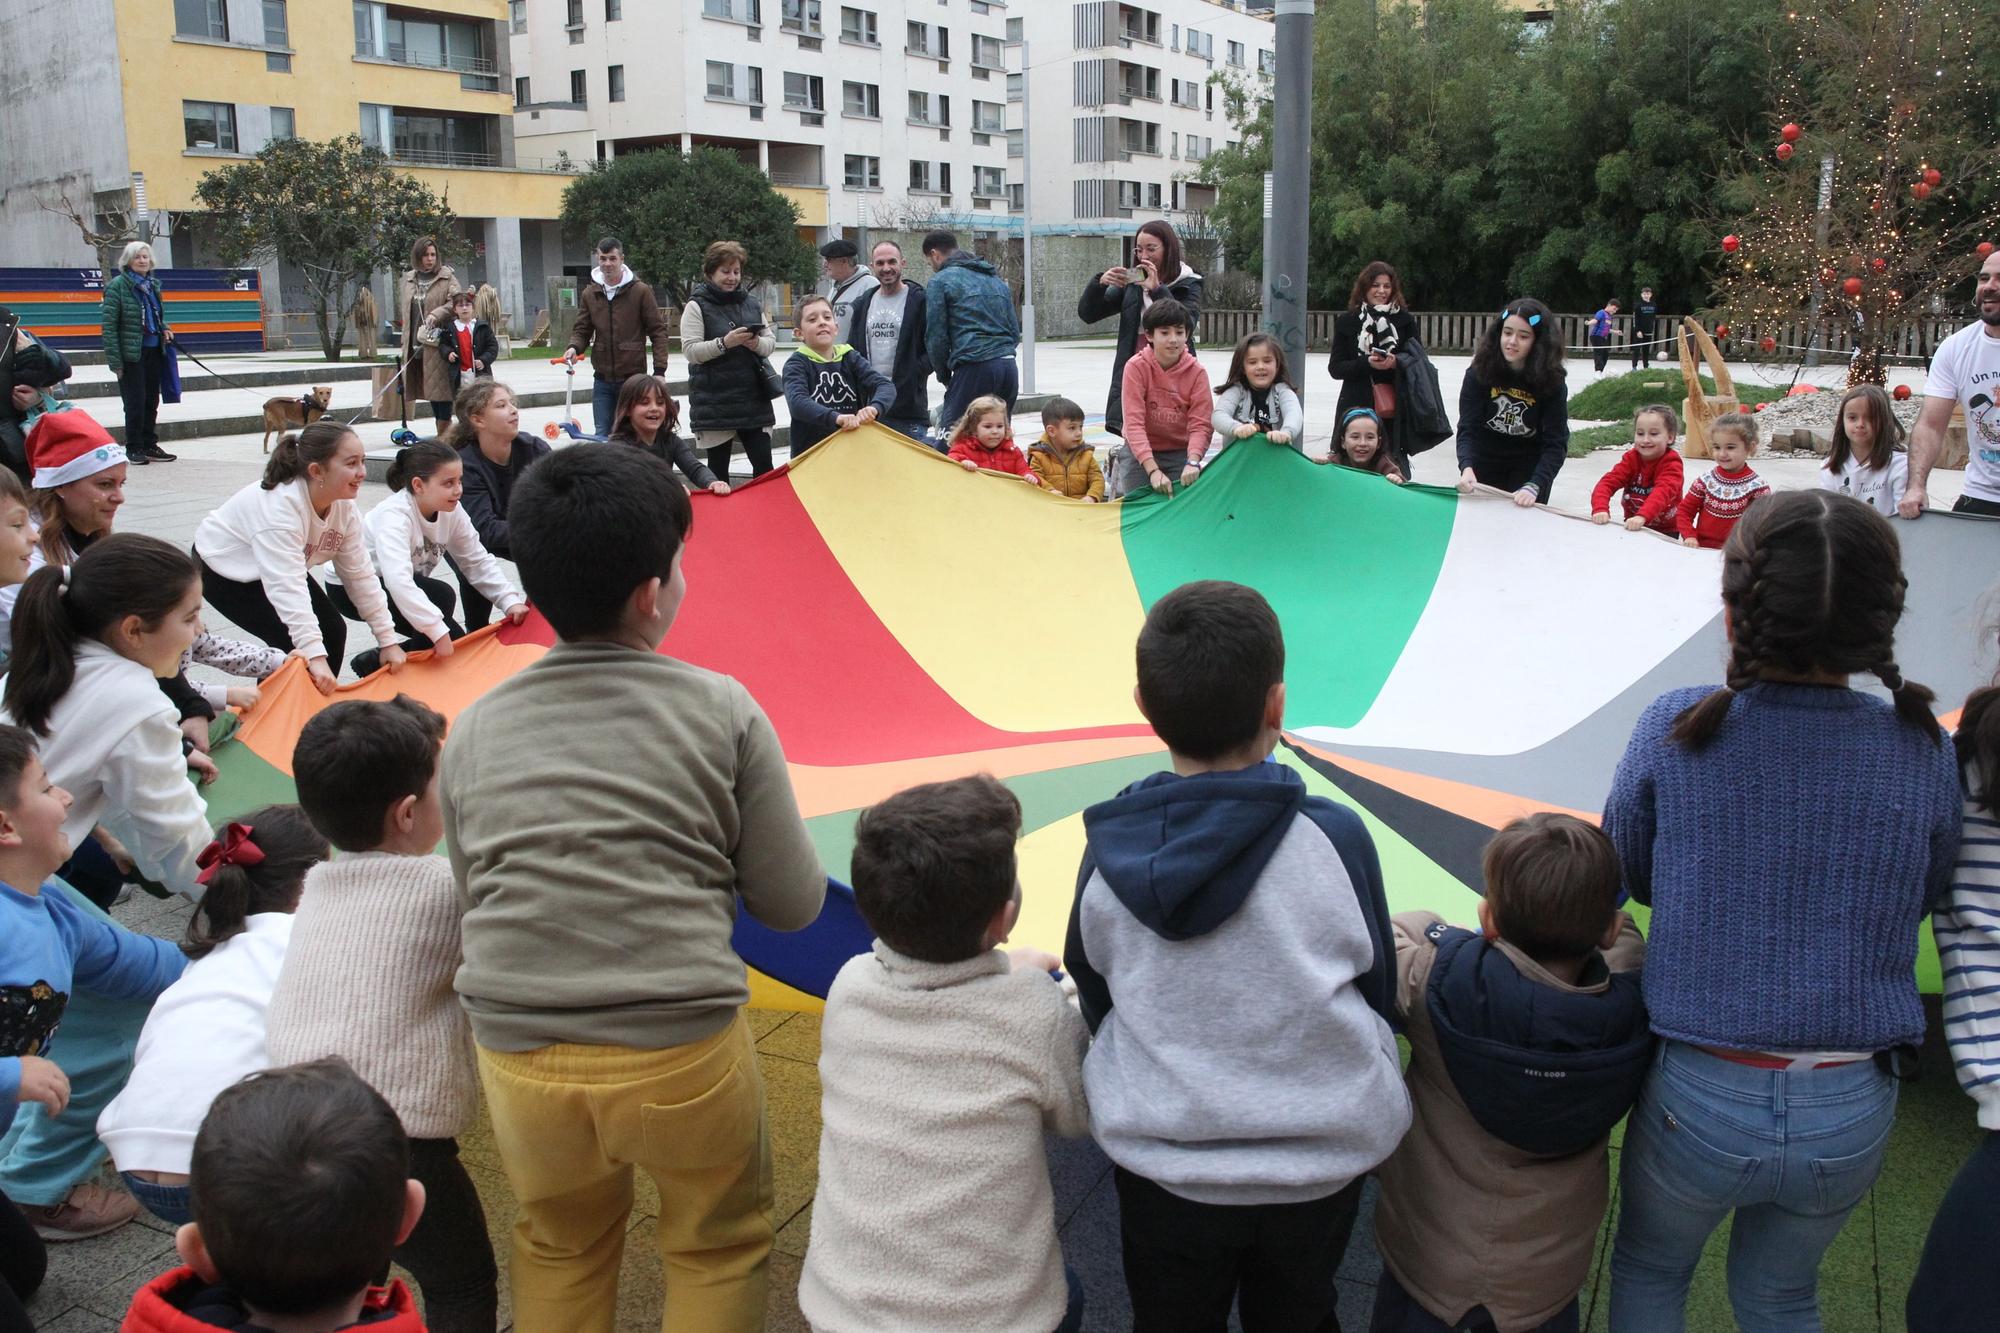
1789	833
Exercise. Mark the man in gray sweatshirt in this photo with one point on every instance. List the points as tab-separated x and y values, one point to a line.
1232	952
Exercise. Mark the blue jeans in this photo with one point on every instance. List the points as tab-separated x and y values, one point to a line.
1790	1154
604	403
920	431
169	1203
975	379
1073	1314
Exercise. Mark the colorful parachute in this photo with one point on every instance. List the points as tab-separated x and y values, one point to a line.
1452	661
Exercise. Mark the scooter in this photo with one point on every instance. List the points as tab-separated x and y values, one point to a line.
569	425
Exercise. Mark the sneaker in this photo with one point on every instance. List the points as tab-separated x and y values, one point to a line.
90	1210
155	454
136	456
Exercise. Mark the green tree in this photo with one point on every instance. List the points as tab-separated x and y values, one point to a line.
335	210
667	207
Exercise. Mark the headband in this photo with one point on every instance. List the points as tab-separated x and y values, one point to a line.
1354	412
233	848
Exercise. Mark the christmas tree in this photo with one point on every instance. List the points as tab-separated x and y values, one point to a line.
1868	206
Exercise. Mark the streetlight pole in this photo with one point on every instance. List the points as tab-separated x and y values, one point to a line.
1291	166
1027	235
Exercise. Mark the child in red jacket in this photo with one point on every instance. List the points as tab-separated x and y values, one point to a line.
984	438
1649	474
301	1190
1712	505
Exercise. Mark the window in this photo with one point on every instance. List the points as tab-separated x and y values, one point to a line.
753	87
857	25
1017	142
1128	194
930	108
861	99
864	173
615	83
807	92
575	22
944	178
1201	44
613	11
1187	93
209	125
1015	83
986	52
1236	54
277	31
1141	138
1015	29
284	124
991	182
1152	196
1267	62
201	18
925	39
742	11
517	16
920	177
987	118
521	97
799	16
579	89
277	62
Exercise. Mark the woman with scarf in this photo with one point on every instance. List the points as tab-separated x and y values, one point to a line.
1157	274
427	288
1366	338
136	334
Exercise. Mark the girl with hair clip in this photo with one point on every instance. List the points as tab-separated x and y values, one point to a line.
1513	406
1867	459
1362	442
1789	833
206	1031
257	552
645	415
1257	397
409	533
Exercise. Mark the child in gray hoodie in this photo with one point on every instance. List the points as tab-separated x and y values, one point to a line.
1232	951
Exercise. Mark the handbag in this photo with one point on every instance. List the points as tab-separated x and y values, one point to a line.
774	387
1385	399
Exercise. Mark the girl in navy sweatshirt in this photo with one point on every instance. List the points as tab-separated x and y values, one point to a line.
1513	408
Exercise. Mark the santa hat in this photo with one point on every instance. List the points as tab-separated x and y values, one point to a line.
69	446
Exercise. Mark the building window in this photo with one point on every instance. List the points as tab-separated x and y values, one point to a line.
1015	83
1267	62
579	88
861	99
201	18
721	80
574	23
284	123
925	39
741	11
930	109
1017	143
277	62
277	31
615	83
1128	194
986	52
864	173
517	16
521	97
613	11
209	125
1152	196
920	178
807	92
1236	54
991	182
1201	44
858	25
987	118
799	16
1015	29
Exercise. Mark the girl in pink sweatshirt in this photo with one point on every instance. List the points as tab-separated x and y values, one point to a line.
1167	405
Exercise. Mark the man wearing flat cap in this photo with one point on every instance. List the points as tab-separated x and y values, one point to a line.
848	283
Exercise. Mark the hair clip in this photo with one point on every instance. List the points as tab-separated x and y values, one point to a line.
1533	320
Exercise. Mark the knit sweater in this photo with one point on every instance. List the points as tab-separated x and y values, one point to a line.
1167	407
1713	504
368	978
1967	927
1651	491
1785	924
934	1209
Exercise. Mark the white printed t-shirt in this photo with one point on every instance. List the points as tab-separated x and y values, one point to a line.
1967	367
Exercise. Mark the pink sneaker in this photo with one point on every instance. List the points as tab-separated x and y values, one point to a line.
90	1210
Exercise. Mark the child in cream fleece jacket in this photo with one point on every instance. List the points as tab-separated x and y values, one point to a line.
942	1063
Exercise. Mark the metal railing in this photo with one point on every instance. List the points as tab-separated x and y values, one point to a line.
402	55
810	180
425	157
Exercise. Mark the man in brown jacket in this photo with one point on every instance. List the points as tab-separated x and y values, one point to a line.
616	316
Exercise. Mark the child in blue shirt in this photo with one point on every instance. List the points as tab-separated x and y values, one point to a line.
829	386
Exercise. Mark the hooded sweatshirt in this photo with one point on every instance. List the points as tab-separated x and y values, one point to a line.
1240	1057
1167	407
178	1301
819	390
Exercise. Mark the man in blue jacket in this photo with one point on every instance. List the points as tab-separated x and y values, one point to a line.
971	329
888	329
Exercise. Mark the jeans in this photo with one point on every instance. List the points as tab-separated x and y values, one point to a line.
1186	1262
1789	1154
248	607
169	1203
920	431
1642	346
1600	351
139	389
604	402
1957	1287
450	1254
24	1262
1397	1312
1000	377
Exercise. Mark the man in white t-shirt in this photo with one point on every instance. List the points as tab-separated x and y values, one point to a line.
1964	372
889	330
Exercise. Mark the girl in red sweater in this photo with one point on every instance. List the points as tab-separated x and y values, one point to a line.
1712	505
1650	475
984	438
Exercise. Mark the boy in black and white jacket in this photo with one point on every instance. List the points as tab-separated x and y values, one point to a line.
828	385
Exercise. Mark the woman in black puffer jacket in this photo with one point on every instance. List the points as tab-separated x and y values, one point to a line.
728	345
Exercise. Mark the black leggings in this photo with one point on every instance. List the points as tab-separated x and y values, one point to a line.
756	448
1510	471
248	607
414	639
449	1254
442	413
24	1260
478	611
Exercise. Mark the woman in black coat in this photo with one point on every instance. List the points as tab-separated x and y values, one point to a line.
1366	338
1157	273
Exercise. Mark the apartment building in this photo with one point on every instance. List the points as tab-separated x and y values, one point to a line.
101	94
884	115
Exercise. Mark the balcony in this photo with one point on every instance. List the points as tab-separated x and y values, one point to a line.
448	157
396	54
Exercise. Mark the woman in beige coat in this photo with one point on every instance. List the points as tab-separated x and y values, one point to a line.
427	288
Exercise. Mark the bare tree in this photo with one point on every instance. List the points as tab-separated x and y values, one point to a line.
114	223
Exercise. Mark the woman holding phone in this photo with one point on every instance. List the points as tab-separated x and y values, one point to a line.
1156	273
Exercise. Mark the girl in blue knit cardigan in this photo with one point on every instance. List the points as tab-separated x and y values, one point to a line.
1789	833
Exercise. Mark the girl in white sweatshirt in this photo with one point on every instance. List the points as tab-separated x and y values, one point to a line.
206	1031
257	552
410	532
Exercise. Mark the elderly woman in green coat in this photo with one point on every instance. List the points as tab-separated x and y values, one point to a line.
136	335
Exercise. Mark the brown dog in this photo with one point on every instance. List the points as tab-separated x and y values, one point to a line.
283	414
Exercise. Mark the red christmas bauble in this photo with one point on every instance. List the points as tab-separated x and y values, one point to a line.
1902	393
1933	177
1760	407
1827	275
1769	344
1852	286
1983	249
1722	330
1731	244
1790	133
1921	191
1784	152
1879	264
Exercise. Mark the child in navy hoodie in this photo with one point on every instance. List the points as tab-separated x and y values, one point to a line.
829	386
1244	1078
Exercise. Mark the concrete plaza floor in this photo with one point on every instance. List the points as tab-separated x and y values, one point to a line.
1862	1283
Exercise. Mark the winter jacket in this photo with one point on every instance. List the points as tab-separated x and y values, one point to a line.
1075	474
675	450
422	297
1346	364
1496	1194
1167	407
441	332
1652	491
913	361
178	1301
819	390
969	315
726	386
38	366
1101	300
1715	501
614	324
123	319
489	486
1506	420
1420	421
843	297
1242	1055
1007	458
1236	406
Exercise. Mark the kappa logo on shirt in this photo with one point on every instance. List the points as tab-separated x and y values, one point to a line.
833	390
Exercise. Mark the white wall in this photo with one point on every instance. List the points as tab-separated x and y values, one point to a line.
61	104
